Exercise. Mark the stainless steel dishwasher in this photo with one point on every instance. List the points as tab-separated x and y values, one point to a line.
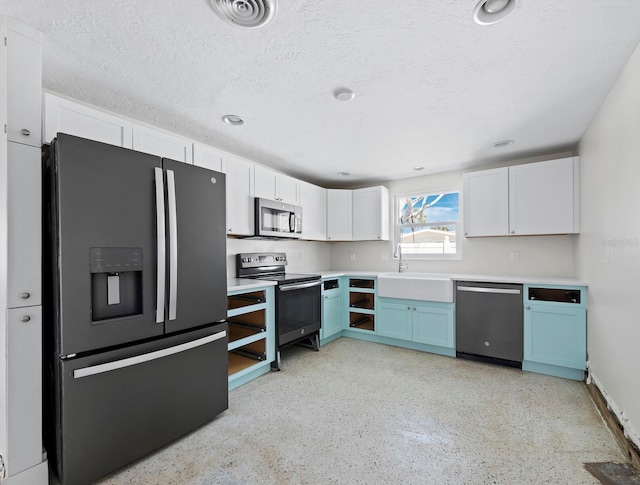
489	322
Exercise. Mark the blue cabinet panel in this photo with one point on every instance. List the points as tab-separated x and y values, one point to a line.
433	326
394	320
331	313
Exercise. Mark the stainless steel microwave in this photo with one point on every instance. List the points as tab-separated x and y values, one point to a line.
277	219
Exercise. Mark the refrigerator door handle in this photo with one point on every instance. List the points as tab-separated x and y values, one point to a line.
173	244
139	359
162	249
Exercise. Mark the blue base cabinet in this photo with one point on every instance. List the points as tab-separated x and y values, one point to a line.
555	334
428	326
331	314
251	344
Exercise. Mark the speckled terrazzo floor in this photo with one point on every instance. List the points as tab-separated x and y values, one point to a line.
363	413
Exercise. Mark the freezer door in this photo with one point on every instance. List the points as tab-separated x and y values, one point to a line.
121	405
101	247
196	250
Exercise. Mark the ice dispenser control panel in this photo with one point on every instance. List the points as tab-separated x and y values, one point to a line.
116	283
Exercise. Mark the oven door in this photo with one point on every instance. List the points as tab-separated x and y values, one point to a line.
298	311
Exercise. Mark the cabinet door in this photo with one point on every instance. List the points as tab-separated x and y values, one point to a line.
24	84
542	197
208	157
313	200
433	326
331	311
394	320
555	335
265	183
24	377
162	144
339	207
240	198
371	214
486	202
288	189
64	116
24	208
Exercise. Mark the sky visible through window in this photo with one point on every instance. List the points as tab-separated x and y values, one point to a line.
446	208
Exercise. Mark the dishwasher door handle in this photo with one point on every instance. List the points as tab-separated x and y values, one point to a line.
479	289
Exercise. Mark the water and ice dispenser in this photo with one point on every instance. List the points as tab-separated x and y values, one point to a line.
116	283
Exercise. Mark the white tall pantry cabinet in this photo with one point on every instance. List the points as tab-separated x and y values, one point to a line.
20	257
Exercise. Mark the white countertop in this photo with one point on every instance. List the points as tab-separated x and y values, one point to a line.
247	284
467	277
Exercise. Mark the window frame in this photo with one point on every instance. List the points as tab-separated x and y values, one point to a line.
400	198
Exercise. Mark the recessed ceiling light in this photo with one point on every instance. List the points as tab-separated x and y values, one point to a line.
489	12
344	174
246	14
503	143
343	94
233	120
417	168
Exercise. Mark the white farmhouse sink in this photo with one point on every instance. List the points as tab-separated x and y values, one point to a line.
416	286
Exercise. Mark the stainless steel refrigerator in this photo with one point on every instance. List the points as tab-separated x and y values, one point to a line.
135	345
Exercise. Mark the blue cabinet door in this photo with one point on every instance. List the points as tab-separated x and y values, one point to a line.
331	314
433	326
555	335
394	320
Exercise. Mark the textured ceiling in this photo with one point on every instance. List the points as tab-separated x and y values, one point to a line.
432	88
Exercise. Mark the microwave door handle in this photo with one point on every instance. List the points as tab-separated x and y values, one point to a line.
292	222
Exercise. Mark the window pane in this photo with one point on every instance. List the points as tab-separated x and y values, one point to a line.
429	208
429	239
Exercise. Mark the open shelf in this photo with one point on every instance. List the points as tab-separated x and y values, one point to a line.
362	321
246	325
246	356
246	299
361	300
361	283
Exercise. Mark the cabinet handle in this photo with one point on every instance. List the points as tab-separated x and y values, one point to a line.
414	309
408	308
25	319
513	232
25	295
25	132
230	229
528	307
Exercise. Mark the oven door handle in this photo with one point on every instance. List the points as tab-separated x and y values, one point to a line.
299	286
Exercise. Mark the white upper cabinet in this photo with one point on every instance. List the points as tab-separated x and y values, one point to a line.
24	224
313	200
523	200
273	185
486	202
240	197
65	116
544	197
208	157
162	144
371	214
23	49
339	215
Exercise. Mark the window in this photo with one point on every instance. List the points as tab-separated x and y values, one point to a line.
427	225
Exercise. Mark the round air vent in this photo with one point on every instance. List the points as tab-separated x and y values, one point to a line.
246	14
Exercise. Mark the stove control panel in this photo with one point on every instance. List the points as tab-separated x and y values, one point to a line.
257	260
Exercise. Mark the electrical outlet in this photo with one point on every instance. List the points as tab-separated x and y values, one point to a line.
515	256
352	256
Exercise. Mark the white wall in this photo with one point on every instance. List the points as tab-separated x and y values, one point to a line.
538	255
610	188
302	256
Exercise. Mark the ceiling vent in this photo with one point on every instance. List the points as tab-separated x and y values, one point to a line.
246	14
